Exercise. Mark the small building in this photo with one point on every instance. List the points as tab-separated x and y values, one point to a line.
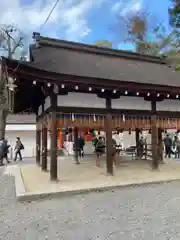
81	86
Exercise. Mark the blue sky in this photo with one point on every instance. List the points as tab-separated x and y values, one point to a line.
80	20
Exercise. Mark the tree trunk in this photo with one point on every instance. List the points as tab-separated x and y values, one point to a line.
140	46
3	117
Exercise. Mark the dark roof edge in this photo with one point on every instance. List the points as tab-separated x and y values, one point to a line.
68	77
57	43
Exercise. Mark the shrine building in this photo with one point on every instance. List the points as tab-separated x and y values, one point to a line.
82	87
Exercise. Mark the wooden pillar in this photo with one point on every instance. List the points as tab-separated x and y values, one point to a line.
75	141
53	152
108	129
154	136
38	143
137	140
160	144
44	147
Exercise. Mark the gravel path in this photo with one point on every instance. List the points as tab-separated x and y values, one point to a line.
132	213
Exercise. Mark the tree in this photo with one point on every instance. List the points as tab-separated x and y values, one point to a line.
8	44
174	14
132	27
103	43
173	53
142	30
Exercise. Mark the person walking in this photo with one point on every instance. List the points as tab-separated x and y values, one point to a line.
19	146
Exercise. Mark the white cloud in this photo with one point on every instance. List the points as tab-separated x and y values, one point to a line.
68	20
125	7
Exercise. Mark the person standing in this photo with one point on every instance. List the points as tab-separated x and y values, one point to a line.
19	146
168	145
178	148
99	150
81	145
114	151
6	150
1	152
176	145
116	137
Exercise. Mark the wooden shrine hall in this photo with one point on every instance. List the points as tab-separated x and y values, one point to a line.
76	85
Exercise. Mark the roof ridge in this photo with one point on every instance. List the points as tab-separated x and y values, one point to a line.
59	43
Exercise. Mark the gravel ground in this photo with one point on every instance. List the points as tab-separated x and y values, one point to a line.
130	213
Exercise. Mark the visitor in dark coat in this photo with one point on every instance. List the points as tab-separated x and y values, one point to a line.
168	145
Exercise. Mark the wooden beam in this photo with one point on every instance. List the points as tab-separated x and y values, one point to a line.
137	140
89	110
53	163
160	144
75	142
130	112
57	78
53	119
44	147
154	138
108	129
38	143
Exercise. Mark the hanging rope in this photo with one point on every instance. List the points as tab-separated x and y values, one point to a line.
73	117
94	118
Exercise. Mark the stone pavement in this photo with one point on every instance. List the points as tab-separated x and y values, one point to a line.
135	213
83	177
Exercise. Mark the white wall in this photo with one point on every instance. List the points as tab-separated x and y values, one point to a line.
21	118
27	134
131	103
80	100
124	102
28	139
